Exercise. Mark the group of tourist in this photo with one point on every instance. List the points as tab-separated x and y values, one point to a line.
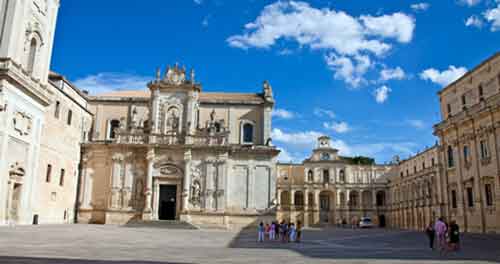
284	232
448	235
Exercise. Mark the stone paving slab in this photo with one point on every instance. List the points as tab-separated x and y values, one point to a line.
94	244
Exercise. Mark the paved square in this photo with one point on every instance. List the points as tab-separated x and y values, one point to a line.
79	244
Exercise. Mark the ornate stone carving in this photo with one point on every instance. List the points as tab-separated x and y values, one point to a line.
22	123
268	90
175	75
196	193
3	102
16	170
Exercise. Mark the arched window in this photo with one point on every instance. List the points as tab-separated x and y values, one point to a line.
381	198
285	198
310	199
299	198
451	161
247	131
342	176
32	55
113	126
326	176
342	199
310	176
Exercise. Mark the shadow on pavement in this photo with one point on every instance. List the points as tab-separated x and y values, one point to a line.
25	260
338	243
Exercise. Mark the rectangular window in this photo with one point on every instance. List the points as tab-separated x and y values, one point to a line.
48	174
464	100
70	117
454	199
481	91
61	179
448	107
488	191
414	169
423	165
57	109
484	149
433	162
466	154
470	197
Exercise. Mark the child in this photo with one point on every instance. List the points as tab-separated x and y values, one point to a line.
260	229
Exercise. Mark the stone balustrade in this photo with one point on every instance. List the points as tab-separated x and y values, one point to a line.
137	138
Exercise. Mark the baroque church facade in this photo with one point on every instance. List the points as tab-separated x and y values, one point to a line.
174	152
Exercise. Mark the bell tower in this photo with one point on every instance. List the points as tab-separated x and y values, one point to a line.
27	34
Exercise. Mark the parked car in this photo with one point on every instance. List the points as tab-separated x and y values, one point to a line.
366	222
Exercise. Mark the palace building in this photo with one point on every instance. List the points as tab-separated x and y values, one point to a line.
328	189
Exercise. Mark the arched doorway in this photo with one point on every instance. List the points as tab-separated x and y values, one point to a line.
381	221
324	206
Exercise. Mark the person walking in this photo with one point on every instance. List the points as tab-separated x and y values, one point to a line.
272	232
299	231
431	234
441	229
292	233
260	230
277	230
454	235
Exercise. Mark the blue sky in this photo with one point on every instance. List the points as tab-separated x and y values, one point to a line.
365	73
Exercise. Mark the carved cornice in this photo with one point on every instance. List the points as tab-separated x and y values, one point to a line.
14	72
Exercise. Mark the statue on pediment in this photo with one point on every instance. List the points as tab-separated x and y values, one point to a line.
196	192
175	75
268	90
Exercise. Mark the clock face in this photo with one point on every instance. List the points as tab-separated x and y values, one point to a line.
325	156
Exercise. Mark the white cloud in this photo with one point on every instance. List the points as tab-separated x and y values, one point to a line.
418	124
198	2
303	142
350	41
299	139
445	77
282	113
382	94
399	26
420	7
474	21
392	74
493	16
339	127
349	70
109	81
469	2
320	112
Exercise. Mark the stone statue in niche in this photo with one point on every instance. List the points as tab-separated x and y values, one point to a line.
196	193
135	122
172	119
212	116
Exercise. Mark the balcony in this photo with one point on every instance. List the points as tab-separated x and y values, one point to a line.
199	139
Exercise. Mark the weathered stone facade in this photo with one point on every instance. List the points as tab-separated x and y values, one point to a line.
415	191
328	189
175	152
470	152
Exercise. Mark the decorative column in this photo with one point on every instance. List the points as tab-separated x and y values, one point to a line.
267	123
86	194
187	180
147	213
116	183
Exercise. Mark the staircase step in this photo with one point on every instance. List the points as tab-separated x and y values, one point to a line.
167	224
